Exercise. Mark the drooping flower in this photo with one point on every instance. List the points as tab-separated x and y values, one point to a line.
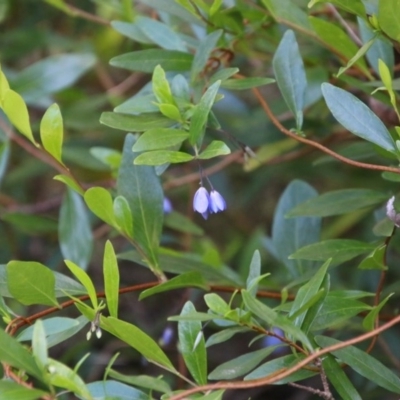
217	202
391	212
167	205
201	201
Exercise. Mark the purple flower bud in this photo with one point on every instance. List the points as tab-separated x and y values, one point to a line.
217	202
166	337
167	205
201	201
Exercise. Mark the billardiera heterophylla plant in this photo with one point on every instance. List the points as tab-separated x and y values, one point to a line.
205	203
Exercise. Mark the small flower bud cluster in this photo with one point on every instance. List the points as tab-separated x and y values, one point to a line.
205	203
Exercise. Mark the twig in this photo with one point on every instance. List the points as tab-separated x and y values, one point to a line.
318	145
320	393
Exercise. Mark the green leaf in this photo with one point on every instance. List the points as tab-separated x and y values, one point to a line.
160	33
171	111
268	315
30	282
160	157
339	379
380	49
224	335
351	6
364	364
75	234
203	52
16	111
356	117
135	123
30	224
389	18
11	390
13	353
245	83
254	273
187	279
71	183
337	40
51	74
336	311
4	157
144	381
123	215
375	260
290	14
100	203
223	74
51	131
201	112
39	344
338	202
111	279
339	250
288	235
142	189
112	390
271	367
306	293
131	31
147	60
370	319
290	75
137	339
84	278
195	356
214	149
240	365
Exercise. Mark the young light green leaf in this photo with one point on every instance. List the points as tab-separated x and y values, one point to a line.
355	116
39	345
376	259
203	52
246	83
214	149
195	359
100	203
71	183
17	112
201	112
216	303
155	139
137	339
171	111
31	283
135	123
389	18
364	364
160	157
339	379
142	189
339	250
147	60
338	202
240	365
111	279
84	278
52	131
187	279
254	273
290	75
160	85
123	215
75	234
